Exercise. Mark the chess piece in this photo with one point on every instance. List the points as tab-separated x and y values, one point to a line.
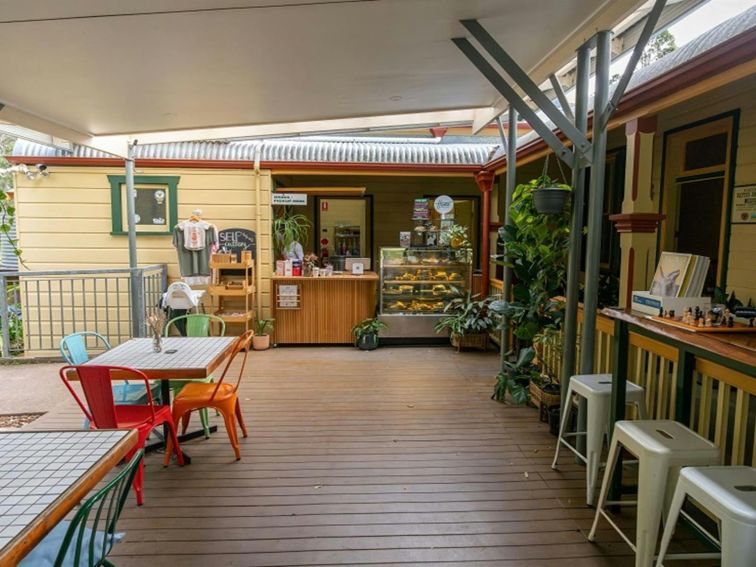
707	321
671	313
731	321
661	312
700	322
698	311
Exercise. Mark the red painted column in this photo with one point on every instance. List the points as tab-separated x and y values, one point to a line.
485	179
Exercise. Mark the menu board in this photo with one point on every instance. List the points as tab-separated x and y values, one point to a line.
236	240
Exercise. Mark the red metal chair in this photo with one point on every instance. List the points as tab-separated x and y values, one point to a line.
102	413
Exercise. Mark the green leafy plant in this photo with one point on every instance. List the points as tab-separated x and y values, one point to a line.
370	326
263	326
464	316
515	378
289	228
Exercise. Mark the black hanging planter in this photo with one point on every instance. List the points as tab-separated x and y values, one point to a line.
367	342
550	200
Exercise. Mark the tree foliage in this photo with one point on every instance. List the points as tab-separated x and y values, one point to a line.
659	46
7	204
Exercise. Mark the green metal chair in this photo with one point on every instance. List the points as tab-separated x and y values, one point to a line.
196	325
86	540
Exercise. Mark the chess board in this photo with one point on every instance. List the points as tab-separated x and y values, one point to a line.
37	468
736	328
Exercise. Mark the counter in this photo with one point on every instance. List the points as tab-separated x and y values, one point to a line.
321	310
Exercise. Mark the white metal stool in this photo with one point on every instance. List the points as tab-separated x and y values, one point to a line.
596	389
662	447
729	493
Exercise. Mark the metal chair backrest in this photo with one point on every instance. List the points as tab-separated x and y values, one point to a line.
242	344
96	381
197	325
73	347
100	512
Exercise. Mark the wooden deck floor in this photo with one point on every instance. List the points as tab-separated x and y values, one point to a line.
394	457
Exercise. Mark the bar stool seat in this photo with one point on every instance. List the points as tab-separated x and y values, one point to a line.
662	448
729	493
596	389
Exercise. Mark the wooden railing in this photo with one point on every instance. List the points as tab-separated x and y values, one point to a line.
686	378
707	383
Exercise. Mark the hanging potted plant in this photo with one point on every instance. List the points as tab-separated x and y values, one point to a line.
366	333
261	338
549	197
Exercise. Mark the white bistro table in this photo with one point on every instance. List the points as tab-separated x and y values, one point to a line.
182	358
44	474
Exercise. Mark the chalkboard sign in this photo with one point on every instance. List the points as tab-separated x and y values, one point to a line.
234	240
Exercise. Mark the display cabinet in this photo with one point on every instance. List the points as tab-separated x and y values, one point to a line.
417	284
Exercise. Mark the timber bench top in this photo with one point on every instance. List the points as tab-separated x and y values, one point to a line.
44	474
367	276
736	346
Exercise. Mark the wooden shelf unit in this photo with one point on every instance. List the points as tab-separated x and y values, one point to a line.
235	305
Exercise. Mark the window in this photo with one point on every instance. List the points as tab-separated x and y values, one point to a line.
706	152
156	209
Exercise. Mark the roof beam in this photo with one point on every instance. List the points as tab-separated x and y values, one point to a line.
528	86
648	29
561	97
514	99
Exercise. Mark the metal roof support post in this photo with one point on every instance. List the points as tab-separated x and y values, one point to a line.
569	351
562	98
511	182
595	202
514	99
135	287
521	78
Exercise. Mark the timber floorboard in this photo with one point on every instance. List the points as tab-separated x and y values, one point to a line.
396	457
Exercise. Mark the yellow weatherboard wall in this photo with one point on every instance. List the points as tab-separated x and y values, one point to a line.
64	220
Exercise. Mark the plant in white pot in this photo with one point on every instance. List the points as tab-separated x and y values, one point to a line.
261	338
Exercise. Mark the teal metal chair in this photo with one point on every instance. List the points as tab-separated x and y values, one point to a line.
73	347
195	325
86	540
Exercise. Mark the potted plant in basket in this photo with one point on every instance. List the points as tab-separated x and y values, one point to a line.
366	333
545	392
468	322
261	338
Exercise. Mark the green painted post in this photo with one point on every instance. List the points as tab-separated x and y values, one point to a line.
686	363
619	382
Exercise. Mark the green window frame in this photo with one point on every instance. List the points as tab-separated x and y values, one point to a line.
117	187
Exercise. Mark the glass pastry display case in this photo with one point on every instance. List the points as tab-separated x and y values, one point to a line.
417	284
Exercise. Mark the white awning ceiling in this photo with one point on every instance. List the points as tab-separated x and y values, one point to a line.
97	72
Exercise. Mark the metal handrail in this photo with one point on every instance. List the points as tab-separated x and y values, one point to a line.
151	267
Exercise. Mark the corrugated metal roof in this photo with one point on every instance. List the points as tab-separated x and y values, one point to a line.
336	149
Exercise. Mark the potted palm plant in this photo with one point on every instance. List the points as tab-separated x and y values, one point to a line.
366	333
289	228
261	338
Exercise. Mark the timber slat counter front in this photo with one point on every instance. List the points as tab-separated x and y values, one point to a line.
322	310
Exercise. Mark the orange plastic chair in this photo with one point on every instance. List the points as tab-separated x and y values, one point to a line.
221	396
